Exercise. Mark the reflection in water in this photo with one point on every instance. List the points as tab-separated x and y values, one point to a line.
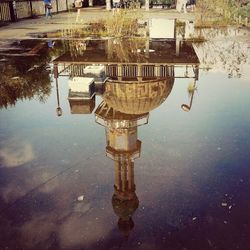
131	85
58	109
16	153
191	165
191	89
123	148
230	55
126	106
137	97
25	76
144	72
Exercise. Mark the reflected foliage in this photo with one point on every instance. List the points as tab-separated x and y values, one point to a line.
127	50
24	78
225	52
123	50
75	47
244	11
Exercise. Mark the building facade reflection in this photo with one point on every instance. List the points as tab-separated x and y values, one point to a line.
131	62
138	78
123	147
126	106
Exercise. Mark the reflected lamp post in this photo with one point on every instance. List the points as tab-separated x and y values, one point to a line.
186	107
58	109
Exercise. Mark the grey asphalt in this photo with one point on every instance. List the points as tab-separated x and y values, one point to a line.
26	28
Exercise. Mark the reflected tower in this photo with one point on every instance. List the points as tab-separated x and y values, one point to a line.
126	106
123	147
140	76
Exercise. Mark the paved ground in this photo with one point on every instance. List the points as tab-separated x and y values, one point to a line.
24	28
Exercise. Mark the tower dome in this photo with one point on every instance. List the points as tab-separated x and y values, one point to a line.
137	97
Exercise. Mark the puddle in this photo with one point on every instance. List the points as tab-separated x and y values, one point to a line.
154	131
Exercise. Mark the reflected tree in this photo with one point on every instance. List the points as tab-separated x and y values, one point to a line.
127	50
24	78
15	86
222	51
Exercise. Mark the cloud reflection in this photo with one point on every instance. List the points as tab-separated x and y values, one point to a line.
37	230
70	229
83	230
16	153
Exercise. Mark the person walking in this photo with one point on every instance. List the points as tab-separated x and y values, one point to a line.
48	7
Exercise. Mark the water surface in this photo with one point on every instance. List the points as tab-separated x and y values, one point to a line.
127	169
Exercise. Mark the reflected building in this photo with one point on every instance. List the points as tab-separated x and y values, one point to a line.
123	147
139	75
161	51
81	95
132	62
126	106
83	84
130	58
